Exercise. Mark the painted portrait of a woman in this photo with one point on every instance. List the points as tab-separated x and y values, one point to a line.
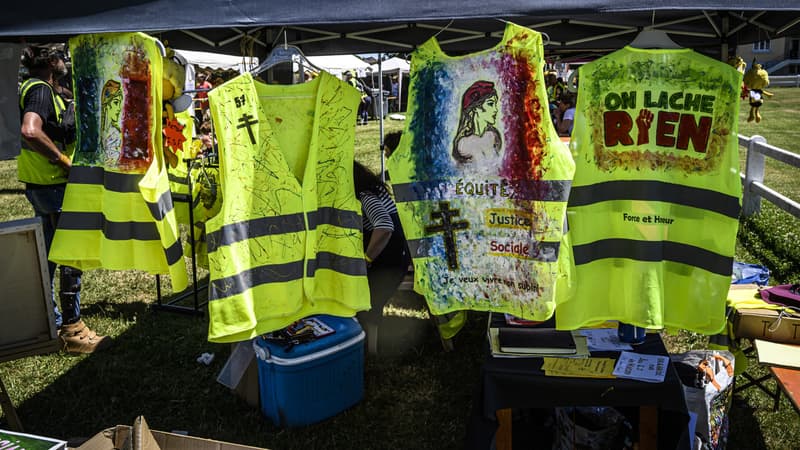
476	138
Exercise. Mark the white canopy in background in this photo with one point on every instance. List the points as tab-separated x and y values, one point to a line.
218	60
398	67
393	66
208	60
338	64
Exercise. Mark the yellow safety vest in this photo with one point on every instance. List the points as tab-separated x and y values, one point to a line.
32	167
481	180
178	181
118	212
205	202
655	201
287	242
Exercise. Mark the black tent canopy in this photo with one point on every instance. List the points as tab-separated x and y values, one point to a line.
350	26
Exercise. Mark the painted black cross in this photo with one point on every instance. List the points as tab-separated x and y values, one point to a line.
247	121
448	228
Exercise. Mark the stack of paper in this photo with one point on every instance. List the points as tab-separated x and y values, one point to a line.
536	340
581	350
636	366
604	340
579	368
776	354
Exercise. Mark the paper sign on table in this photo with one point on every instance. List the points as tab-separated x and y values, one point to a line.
580	368
636	366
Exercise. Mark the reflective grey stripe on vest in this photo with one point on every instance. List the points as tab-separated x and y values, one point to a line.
535	190
654	251
117	231
264	226
278	273
241	282
289	223
678	194
58	106
111	181
174	253
540	251
162	207
338	263
333	216
178	180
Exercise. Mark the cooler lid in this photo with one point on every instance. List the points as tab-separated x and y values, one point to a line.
344	329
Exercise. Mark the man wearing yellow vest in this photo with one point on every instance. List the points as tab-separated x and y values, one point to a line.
43	165
366	100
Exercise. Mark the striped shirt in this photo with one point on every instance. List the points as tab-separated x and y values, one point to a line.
377	209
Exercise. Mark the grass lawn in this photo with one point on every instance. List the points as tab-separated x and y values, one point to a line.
417	396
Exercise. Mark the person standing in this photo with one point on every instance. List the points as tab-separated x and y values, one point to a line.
201	97
565	114
44	162
366	100
394	94
385	247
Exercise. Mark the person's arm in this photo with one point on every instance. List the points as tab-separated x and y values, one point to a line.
563	127
565	122
380	219
39	142
377	242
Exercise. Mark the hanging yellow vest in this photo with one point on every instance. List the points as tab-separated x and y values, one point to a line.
287	242
481	180
31	166
117	212
205	201
655	201
178	173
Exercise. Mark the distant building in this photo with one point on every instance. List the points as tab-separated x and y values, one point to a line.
779	56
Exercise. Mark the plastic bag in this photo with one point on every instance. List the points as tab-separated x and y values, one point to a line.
591	428
744	273
783	294
707	377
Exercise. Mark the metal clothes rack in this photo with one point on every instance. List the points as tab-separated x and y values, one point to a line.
172	305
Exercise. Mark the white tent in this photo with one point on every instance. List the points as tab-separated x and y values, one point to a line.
218	60
212	61
338	64
394	66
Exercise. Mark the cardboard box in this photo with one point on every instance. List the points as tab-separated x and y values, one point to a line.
767	324
121	437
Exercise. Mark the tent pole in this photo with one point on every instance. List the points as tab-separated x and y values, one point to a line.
380	115
724	48
399	90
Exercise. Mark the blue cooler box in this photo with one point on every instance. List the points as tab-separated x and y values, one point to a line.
312	381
